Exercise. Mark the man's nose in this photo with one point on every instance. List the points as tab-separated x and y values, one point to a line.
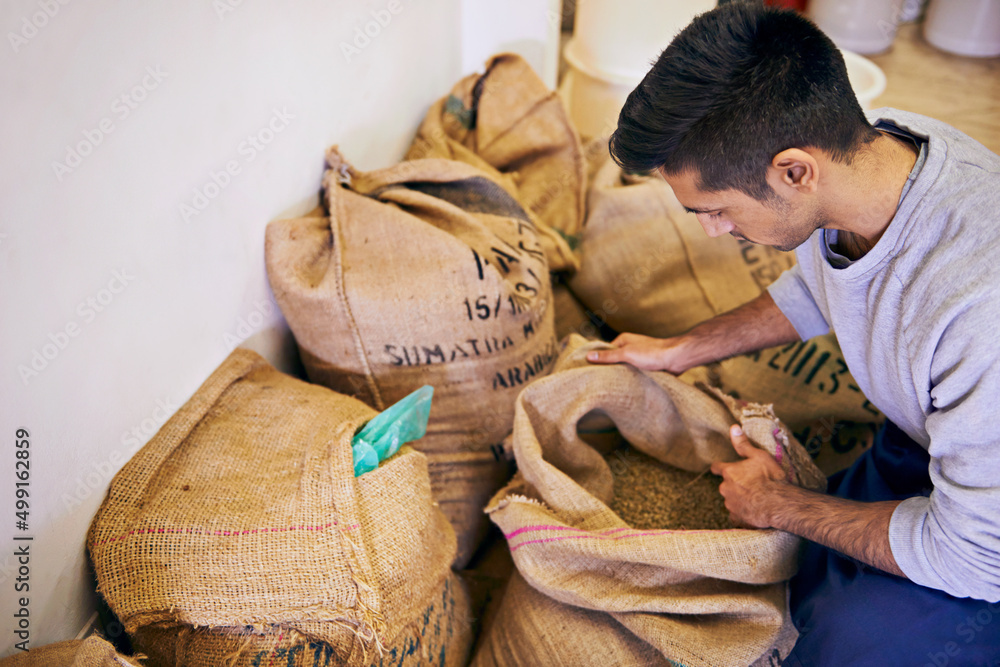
715	226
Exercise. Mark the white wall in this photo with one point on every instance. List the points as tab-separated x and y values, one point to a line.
117	302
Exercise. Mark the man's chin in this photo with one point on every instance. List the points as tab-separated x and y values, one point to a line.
785	247
745	239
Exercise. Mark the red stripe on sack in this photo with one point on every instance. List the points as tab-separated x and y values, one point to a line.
275	651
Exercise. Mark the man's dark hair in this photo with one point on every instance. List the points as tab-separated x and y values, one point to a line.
740	84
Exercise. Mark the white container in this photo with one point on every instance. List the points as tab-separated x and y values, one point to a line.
964	27
862	26
867	78
623	39
593	97
911	10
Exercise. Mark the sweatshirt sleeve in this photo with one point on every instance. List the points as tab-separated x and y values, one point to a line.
792	296
950	541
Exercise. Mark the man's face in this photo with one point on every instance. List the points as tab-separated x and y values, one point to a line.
778	223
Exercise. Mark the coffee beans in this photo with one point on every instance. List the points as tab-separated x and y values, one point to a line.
652	495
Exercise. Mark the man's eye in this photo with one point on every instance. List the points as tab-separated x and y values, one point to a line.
717	214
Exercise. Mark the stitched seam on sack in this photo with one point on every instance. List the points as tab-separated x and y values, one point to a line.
483	149
687	257
528	529
600	536
335	218
578	159
219	533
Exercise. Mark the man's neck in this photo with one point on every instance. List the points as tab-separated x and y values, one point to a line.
874	185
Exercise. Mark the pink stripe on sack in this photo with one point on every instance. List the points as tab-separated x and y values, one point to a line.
222	533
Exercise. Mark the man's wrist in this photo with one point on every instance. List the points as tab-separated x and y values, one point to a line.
780	500
686	351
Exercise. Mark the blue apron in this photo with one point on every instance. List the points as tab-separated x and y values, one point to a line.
851	614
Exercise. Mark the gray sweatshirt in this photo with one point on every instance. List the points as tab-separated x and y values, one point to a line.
918	321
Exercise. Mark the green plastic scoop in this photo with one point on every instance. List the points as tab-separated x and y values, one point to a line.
399	424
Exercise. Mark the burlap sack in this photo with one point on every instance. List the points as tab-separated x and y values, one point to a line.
532	629
835	445
570	315
440	636
462	483
811	390
424	273
698	597
90	652
243	510
486	577
647	267
507	120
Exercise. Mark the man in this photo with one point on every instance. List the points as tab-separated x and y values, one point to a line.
750	117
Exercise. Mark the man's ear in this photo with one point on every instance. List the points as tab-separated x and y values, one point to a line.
796	169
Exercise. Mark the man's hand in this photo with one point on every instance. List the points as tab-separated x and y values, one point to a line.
758	495
749	486
649	354
753	326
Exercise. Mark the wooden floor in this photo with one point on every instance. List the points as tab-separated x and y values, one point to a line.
963	92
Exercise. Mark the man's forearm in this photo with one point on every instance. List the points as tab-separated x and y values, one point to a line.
758	494
856	529
753	326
